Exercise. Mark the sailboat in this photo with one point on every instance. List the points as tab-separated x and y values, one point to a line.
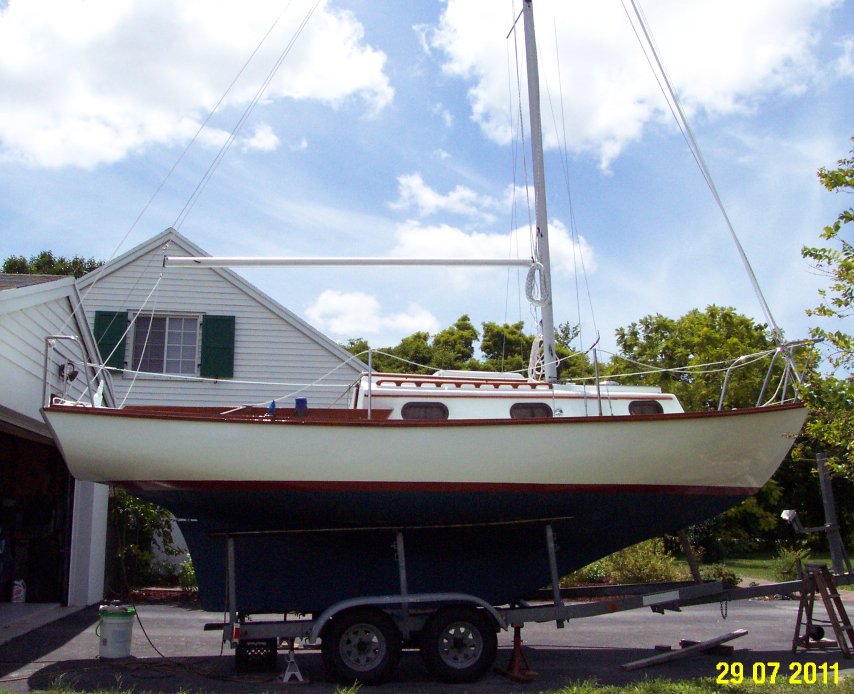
472	468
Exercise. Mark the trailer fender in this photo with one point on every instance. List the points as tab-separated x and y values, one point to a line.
401	601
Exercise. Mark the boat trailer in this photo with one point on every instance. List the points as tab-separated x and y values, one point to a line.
362	638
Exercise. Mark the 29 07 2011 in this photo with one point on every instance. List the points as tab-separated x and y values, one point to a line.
768	672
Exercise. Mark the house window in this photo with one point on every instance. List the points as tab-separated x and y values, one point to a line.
645	407
166	344
529	410
424	410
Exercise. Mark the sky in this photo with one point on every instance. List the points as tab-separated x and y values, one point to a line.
373	128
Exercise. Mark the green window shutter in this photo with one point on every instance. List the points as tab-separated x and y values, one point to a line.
110	327
217	347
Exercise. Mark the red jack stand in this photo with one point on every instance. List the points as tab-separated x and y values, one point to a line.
518	668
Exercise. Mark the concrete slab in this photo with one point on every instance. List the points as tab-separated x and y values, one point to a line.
17	619
170	652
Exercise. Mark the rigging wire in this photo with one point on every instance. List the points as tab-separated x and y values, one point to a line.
186	150
200	129
521	147
202	184
142	352
675	105
575	237
513	241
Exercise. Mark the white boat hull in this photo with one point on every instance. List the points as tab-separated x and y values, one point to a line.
473	497
727	450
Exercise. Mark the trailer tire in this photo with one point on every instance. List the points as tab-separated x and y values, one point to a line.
459	644
362	644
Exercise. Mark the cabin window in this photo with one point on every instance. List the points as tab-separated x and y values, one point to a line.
424	410
645	407
529	410
166	344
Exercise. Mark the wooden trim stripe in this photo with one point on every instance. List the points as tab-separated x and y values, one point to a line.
430	487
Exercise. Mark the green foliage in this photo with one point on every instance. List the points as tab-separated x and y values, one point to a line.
836	262
187	577
645	562
720	572
716	336
504	347
592	573
750	527
138	525
785	563
45	263
830	428
454	346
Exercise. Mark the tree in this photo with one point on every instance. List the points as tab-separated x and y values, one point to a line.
715	337
710	341
45	263
836	262
506	347
453	347
830	427
573	364
135	527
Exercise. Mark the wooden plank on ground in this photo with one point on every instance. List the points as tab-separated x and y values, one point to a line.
685	652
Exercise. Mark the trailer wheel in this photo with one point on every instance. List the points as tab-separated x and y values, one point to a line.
361	644
459	644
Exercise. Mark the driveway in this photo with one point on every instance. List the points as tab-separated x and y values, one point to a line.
171	652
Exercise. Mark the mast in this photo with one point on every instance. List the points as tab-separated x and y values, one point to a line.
542	239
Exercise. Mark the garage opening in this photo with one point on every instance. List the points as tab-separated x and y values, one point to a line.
35	520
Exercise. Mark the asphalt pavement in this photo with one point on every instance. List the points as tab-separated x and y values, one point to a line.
170	652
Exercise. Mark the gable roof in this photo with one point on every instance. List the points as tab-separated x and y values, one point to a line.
166	238
14	281
28	293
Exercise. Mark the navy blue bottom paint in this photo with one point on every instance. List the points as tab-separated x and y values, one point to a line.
307	572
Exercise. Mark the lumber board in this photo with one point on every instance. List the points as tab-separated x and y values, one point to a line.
685	652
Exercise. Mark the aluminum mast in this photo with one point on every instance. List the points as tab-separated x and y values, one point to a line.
542	244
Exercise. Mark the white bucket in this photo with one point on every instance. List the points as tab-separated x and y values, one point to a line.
115	630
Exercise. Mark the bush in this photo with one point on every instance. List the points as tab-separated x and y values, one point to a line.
592	573
645	562
720	572
187	577
135	526
785	564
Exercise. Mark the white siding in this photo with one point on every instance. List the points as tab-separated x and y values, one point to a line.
22	340
27	316
268	347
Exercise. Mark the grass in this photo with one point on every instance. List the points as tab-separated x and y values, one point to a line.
649	686
704	686
761	567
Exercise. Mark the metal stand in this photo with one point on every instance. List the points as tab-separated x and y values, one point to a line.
518	669
838	555
292	671
817	579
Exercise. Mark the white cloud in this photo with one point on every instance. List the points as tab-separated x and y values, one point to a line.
85	82
417	241
357	314
300	146
723	56
844	64
263	139
443	113
413	192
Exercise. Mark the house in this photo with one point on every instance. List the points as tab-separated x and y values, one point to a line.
52	528
205	336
